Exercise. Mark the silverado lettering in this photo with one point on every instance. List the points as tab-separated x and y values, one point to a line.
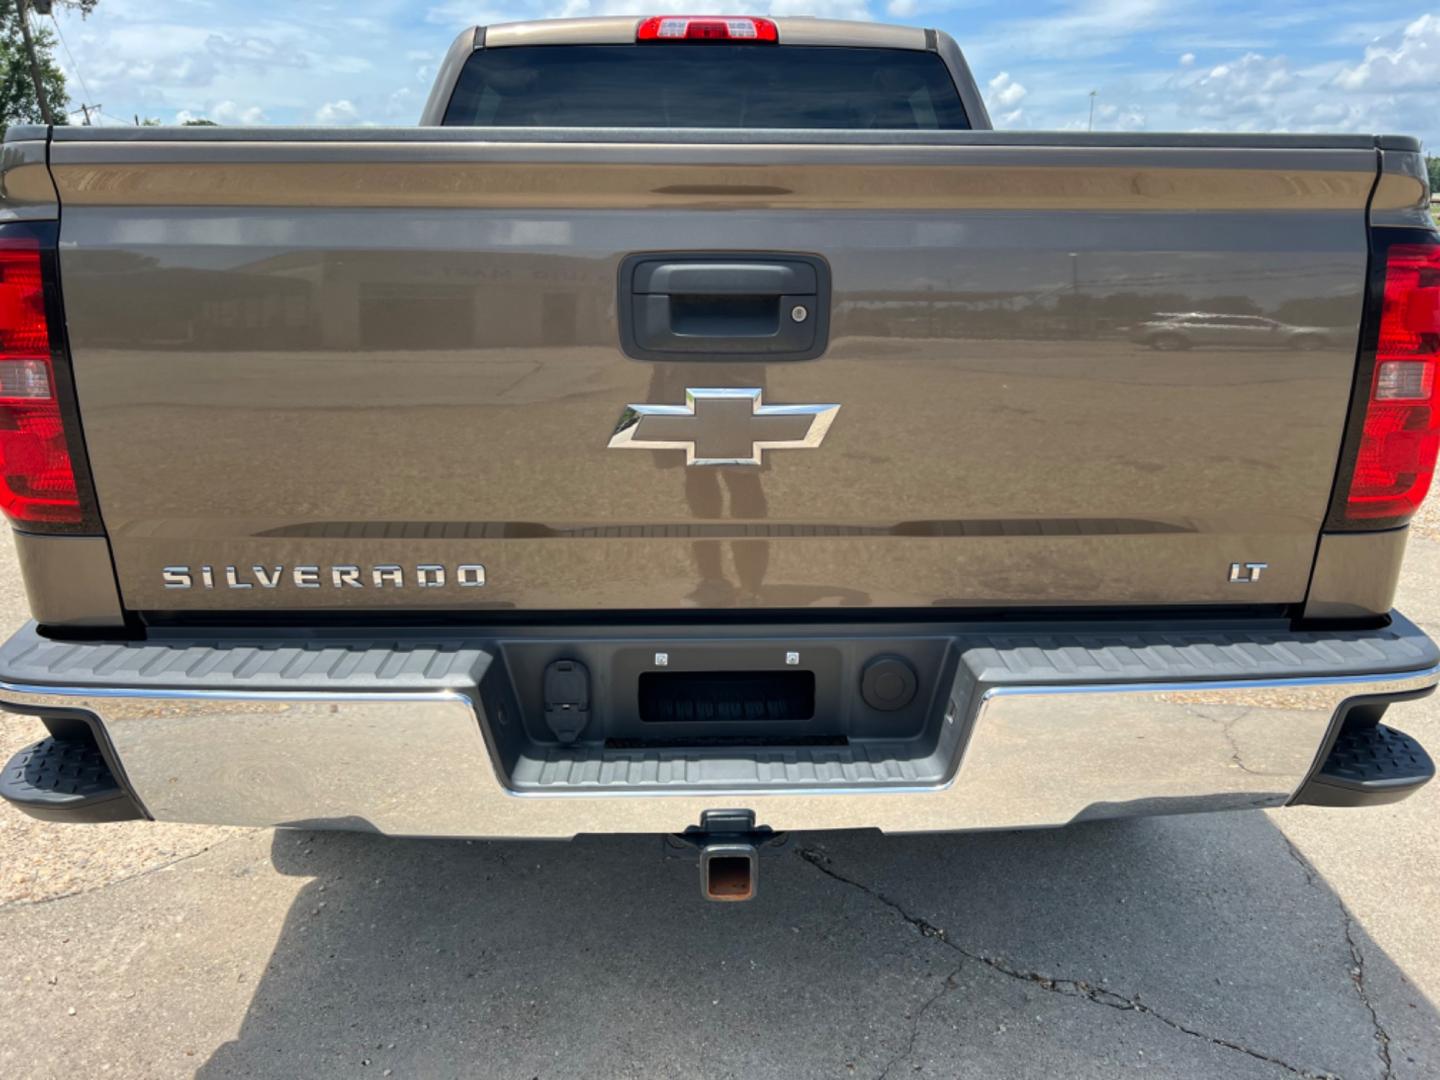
380	576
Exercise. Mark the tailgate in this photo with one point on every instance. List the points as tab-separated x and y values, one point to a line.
322	374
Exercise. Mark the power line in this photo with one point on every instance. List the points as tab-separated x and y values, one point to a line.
75	68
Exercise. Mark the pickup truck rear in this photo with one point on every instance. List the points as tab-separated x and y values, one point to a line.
711	420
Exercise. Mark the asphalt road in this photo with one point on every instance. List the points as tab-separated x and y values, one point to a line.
1279	944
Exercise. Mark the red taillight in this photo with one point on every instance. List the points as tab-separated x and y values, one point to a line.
37	478
1401	433
737	28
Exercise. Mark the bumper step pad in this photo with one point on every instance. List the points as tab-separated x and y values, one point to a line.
66	780
1369	764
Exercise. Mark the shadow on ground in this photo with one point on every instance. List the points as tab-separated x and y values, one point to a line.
1200	946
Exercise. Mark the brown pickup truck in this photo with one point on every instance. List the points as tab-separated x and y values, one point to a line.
708	426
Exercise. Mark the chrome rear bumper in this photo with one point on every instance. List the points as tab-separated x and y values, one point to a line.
427	760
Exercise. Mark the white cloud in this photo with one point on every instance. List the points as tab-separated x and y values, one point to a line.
1229	73
1004	92
1236	92
1083	28
902	9
1002	97
1260	92
1412	63
830	9
255	51
224	112
571	9
462	13
228	112
1119	118
403	106
337	113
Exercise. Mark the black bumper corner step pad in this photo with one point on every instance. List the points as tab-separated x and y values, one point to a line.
67	779
1370	763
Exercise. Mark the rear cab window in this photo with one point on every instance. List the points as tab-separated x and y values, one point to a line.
708	85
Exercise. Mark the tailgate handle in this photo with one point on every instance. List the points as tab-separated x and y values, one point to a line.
686	308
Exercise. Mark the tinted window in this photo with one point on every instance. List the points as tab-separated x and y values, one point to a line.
705	86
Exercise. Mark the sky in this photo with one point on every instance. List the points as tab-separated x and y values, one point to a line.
1154	65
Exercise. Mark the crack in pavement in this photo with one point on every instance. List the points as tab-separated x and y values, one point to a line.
1357	960
1073	988
103	885
946	985
1227	731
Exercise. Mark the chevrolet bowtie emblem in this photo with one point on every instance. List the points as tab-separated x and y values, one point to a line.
722	427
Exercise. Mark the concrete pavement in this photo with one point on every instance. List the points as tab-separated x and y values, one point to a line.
1295	943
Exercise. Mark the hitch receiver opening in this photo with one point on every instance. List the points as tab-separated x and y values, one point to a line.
729	872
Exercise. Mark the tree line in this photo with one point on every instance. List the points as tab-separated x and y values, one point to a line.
19	102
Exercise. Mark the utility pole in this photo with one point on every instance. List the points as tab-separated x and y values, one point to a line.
1091	125
86	110
22	8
